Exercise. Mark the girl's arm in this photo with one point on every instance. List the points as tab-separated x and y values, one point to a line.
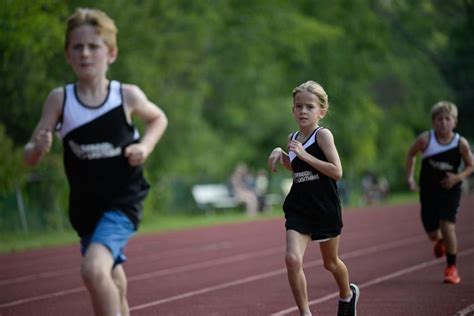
42	138
420	144
333	167
279	155
136	103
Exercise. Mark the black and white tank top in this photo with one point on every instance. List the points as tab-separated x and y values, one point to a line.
100	177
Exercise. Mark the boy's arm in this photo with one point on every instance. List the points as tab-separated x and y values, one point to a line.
42	137
137	104
333	167
452	179
418	146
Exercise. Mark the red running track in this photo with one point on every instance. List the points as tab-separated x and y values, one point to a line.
238	269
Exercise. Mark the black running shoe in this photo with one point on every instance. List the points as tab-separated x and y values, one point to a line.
349	308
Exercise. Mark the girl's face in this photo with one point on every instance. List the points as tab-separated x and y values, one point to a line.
88	54
306	110
444	123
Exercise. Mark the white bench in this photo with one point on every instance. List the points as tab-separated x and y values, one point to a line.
214	195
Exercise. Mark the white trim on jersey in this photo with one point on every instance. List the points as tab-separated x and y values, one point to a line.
310	141
434	147
76	114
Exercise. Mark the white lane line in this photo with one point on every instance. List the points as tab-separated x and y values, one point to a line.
465	311
43	297
208	264
164	272
144	258
353	254
232	259
379	280
209	289
36	276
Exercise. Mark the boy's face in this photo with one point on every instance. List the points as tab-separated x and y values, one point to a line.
444	123
306	109
88	54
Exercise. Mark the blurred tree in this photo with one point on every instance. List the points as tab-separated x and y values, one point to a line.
442	32
223	72
32	59
12	170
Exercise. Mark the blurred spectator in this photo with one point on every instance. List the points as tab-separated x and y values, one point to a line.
375	189
242	190
343	191
261	188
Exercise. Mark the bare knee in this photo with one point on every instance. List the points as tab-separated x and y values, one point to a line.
92	272
293	261
122	286
435	235
331	264
447	227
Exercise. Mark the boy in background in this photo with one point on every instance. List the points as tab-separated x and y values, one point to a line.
442	151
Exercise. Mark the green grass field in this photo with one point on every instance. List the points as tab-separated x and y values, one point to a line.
13	242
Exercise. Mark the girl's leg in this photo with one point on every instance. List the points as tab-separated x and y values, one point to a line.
120	279
296	244
332	263
96	272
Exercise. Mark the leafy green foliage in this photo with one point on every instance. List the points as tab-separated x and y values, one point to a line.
223	72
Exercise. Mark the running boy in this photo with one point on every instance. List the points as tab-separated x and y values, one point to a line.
440	181
312	207
103	154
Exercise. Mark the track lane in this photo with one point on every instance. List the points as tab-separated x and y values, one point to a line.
247	280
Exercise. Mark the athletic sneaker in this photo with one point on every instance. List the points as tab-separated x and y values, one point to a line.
349	308
439	248
451	275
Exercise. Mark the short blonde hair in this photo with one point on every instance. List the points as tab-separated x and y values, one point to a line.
102	23
444	107
316	89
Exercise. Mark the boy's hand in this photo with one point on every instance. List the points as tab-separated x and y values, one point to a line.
275	156
449	181
43	141
412	185
136	154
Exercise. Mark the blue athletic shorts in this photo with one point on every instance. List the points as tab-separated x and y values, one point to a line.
113	231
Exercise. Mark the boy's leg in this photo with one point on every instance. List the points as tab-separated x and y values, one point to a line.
332	263
450	272
430	216
120	279
101	267
96	270
435	235
296	244
448	230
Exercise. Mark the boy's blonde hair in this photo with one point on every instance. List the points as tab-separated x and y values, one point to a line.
444	107
102	23
316	89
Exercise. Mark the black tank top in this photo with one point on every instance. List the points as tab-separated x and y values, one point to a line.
99	176
437	160
313	195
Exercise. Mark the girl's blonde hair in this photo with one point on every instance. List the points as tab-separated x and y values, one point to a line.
316	89
444	107
102	23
